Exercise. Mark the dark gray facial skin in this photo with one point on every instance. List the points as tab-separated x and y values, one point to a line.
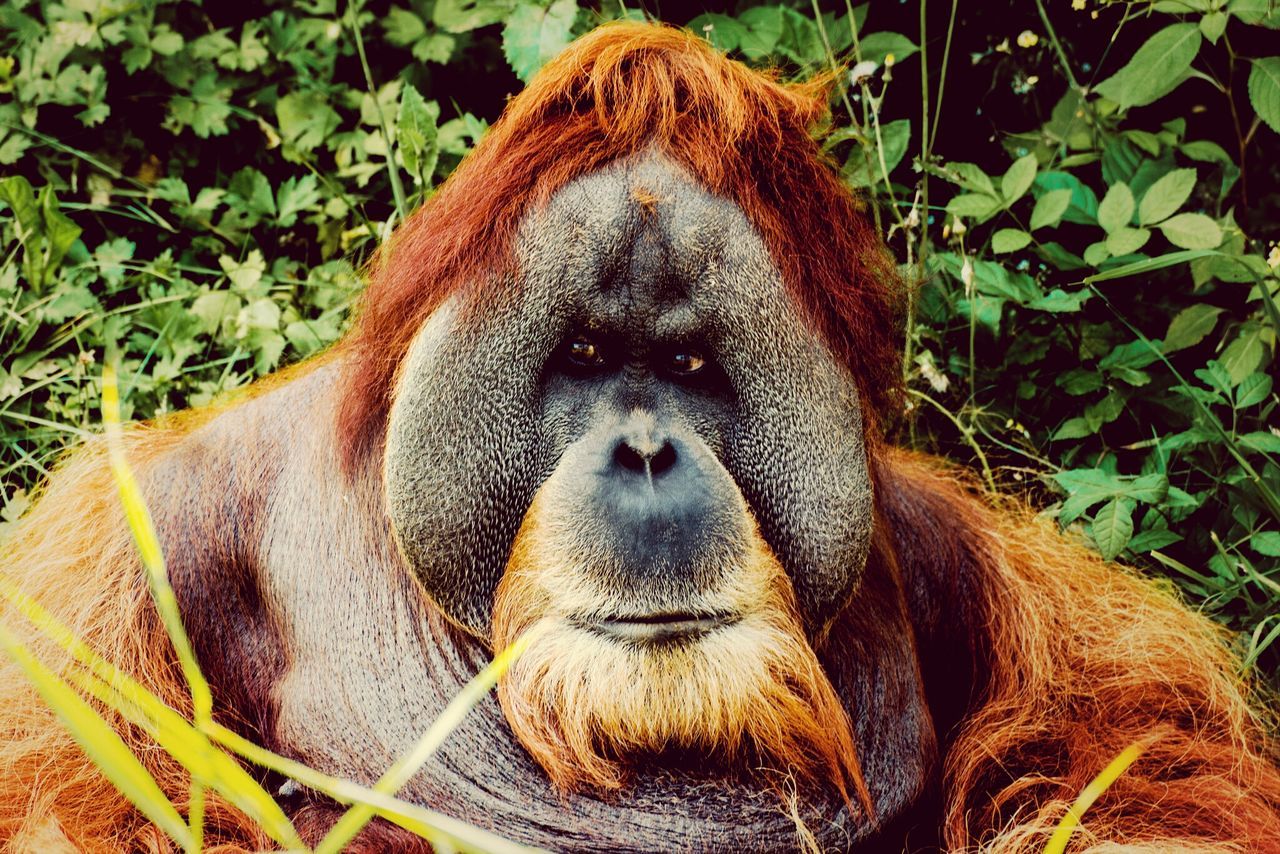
489	399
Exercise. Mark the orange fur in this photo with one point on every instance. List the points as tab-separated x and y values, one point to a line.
1083	658
582	705
73	553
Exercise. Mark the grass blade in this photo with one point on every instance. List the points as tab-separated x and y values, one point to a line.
438	829
354	820
101	743
144	534
101	679
1093	791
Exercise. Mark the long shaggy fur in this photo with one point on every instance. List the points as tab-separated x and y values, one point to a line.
73	554
582	704
1078	659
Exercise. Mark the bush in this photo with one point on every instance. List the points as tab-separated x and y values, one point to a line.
192	188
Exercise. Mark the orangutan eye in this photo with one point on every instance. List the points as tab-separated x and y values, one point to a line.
584	352
685	362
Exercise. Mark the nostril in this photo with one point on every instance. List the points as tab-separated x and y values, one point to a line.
663	460
653	464
629	458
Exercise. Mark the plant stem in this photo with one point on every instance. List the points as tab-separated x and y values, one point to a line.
397	189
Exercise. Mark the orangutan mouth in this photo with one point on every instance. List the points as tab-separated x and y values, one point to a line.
659	627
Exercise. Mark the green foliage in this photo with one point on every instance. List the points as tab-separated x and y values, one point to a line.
189	192
192	200
1093	323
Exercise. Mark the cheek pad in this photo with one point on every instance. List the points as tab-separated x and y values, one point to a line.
462	457
798	456
796	447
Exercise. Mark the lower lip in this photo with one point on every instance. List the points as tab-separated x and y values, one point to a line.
659	630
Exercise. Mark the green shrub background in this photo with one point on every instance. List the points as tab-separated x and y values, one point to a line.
1086	194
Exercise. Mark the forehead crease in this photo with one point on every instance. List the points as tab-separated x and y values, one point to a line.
642	235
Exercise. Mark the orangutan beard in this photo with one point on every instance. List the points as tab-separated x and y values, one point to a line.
751	692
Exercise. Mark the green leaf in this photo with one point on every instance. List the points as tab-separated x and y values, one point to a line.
1266	543
1124	241
1105	411
1244	355
1079	381
765	27
402	27
17	193
1213	25
970	176
1096	253
1084	203
416	136
723	32
862	169
534	34
1009	240
306	119
1017	180
1190	326
1166	195
1049	208
1116	208
877	46
1156	69
437	48
1215	376
1253	389
973	205
461	16
1058	256
1261	441
1156	538
1133	355
245	275
997	280
205	110
1112	527
1206	152
1264	90
293	197
59	232
1058	300
1192	231
1087	487
250	194
215	309
1073	428
1264	13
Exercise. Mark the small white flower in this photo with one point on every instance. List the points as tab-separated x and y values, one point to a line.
862	71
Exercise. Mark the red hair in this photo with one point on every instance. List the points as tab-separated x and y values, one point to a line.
621	89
